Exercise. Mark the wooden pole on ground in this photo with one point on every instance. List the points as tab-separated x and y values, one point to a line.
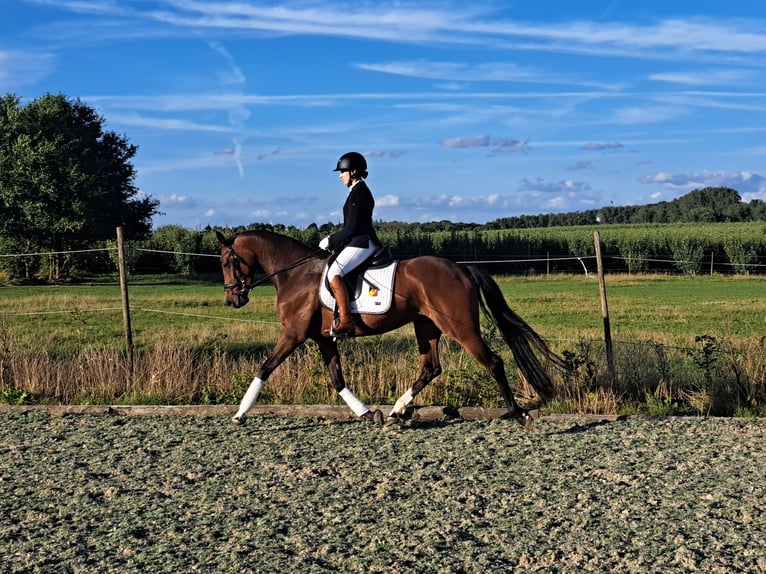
124	292
604	307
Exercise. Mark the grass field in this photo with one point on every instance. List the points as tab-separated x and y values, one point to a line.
676	339
669	309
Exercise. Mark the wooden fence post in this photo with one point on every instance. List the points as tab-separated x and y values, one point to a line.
124	292
604	308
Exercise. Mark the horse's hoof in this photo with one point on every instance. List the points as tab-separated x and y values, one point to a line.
390	422
526	421
375	416
235	422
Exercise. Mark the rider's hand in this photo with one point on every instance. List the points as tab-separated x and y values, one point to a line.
325	243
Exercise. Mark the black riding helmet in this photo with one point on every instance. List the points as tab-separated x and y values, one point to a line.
352	161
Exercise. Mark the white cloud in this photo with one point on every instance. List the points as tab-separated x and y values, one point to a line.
742	181
170	124
561	186
20	68
175	198
750	196
499	145
705	77
238	113
580	165
187	163
387	201
556	203
503	145
467	141
693	37
383	153
234	76
601	146
645	114
459	71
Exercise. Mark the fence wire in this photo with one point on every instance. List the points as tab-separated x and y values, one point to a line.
509	261
581	259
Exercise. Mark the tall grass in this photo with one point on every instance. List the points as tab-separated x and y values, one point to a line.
683	347
650	378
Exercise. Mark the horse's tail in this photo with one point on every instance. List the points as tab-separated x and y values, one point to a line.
524	342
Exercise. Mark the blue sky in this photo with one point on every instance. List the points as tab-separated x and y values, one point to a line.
466	111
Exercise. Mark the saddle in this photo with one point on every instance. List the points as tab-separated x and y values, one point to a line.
370	285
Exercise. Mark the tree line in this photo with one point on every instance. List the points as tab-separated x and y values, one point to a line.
708	205
66	183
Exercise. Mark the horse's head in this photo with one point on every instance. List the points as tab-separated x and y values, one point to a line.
238	271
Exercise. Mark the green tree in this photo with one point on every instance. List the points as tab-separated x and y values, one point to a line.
65	182
175	247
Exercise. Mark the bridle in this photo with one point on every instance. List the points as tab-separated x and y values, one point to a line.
241	278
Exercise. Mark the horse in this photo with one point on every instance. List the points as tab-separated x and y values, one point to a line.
436	295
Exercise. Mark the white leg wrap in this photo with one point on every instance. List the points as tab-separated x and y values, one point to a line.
353	402
401	404
250	397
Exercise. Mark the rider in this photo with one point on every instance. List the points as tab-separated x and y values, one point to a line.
357	239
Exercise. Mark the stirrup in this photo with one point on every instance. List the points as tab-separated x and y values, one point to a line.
331	332
343	334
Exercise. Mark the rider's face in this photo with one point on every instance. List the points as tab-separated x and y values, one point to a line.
345	177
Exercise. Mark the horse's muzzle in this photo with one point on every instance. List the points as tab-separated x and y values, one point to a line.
237	300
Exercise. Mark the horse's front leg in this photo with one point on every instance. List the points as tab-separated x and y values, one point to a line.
331	358
286	344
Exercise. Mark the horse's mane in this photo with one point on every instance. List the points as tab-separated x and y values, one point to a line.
281	241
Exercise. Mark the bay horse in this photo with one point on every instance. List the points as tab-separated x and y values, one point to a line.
436	295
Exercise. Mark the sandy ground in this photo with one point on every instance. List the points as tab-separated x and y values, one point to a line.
99	493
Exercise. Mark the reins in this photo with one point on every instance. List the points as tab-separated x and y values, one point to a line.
241	277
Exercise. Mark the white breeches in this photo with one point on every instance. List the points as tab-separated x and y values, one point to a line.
349	259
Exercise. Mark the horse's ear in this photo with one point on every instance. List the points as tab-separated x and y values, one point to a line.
221	238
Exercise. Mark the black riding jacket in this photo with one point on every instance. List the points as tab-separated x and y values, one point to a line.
358	230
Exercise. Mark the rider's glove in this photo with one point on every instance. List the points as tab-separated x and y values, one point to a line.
325	243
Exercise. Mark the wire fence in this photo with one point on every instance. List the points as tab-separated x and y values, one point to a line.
643	367
506	261
587	264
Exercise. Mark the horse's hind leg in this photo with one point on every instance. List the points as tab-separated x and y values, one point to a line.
494	364
427	335
497	368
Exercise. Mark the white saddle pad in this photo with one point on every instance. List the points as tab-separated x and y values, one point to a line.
375	296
